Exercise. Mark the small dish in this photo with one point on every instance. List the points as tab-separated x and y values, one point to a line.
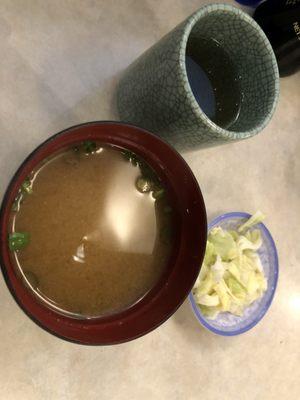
227	324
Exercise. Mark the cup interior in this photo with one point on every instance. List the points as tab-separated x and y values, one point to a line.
252	60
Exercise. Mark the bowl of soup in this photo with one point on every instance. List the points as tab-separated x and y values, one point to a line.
103	231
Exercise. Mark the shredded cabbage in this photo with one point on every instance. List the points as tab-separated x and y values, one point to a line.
253	220
231	277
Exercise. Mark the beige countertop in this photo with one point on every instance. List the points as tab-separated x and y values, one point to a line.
60	61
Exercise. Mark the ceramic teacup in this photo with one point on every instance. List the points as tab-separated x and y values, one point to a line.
155	92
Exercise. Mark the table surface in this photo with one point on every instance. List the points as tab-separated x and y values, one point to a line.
60	64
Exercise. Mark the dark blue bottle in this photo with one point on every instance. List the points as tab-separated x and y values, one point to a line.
252	3
280	19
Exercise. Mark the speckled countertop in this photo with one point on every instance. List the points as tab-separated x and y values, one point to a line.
60	61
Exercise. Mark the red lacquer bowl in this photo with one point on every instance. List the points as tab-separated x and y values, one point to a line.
183	266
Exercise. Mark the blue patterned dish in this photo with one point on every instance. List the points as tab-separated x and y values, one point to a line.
227	324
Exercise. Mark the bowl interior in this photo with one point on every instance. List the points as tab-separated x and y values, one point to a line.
228	324
184	262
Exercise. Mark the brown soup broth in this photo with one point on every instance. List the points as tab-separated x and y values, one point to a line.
99	230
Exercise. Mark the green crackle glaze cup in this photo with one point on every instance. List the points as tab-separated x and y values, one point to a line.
155	92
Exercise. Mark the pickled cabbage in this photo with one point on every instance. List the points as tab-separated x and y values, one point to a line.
231	277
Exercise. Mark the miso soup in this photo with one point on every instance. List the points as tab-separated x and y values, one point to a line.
91	230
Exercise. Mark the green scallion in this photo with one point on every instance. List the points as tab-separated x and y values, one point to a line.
130	156
148	172
158	194
89	146
143	185
26	186
18	240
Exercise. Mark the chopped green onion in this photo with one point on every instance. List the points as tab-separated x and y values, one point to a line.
149	180
15	206
143	185
89	146
148	172
130	156
26	186
18	240
158	194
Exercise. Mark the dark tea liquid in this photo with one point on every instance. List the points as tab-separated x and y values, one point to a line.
213	80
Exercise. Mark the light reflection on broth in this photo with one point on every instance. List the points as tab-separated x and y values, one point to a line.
99	238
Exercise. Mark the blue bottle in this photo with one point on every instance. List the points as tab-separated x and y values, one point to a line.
252	3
